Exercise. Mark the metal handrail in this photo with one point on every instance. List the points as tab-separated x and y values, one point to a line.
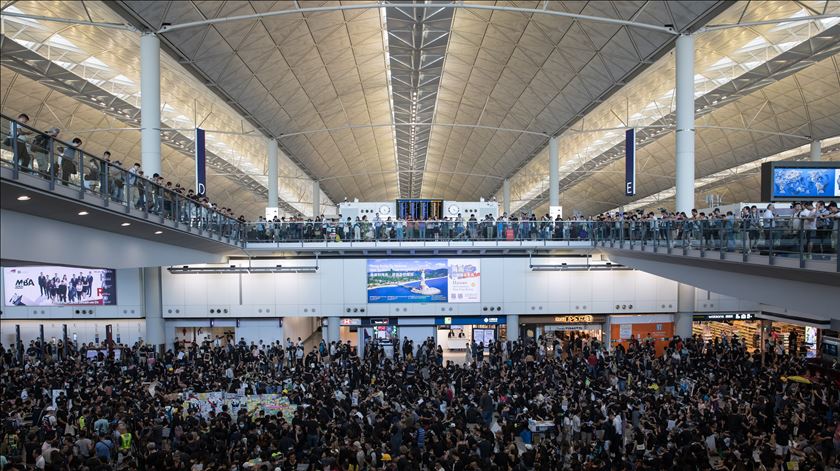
111	182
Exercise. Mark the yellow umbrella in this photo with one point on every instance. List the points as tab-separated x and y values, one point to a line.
798	379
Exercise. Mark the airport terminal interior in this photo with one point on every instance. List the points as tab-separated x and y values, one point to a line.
420	235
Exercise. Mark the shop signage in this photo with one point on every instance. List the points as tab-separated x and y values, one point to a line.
567	327
579	319
725	316
351	321
564	319
470	320
385	321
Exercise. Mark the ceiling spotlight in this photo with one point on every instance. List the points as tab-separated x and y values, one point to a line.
83	213
23	198
125	224
158	232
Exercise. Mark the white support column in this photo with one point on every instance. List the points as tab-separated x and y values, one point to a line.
606	333
513	327
685	123
553	173
271	152
333	334
816	150
150	103
316	199
684	317
506	196
153	307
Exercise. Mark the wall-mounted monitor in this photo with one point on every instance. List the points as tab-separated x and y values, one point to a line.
59	286
792	181
424	280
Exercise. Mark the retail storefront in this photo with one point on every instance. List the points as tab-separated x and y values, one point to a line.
348	330
745	325
456	333
658	328
562	325
790	332
361	330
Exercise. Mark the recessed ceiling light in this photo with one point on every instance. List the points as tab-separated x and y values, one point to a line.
23	198
83	213
158	232
125	224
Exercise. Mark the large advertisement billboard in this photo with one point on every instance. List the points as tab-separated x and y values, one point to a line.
794	181
791	182
59	286
425	280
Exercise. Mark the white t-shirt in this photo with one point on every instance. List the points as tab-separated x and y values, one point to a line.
768	218
809	224
619	428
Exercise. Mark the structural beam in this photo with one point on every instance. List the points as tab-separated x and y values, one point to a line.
816	150
685	123
685	310
553	173
506	196
271	155
150	103
316	199
512	327
153	307
415	124
435	6
70	21
333	332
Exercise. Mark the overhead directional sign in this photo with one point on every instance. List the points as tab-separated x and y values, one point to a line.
630	162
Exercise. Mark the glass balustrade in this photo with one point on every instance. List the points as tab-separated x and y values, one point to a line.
26	150
43	155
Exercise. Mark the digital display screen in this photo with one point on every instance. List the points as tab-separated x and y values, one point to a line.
59	286
798	182
427	280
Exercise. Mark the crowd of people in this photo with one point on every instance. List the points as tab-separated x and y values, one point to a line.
568	405
806	224
127	185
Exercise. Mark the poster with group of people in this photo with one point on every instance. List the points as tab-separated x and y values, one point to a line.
59	286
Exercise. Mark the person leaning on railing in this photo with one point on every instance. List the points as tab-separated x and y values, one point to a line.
69	158
17	140
41	148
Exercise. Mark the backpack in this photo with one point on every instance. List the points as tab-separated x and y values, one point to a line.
40	143
46	425
11	446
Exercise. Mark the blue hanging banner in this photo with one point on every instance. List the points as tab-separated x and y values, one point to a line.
630	162
200	163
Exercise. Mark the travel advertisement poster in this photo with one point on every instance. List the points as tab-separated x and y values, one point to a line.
428	280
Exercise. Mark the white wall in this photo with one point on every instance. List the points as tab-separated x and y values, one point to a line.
340	284
707	301
303	327
130	330
129	303
37	239
417	333
256	330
